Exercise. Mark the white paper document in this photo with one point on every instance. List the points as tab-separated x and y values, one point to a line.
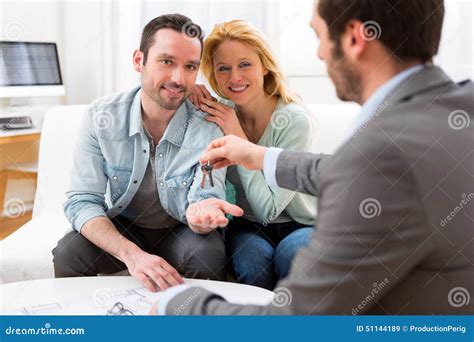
104	301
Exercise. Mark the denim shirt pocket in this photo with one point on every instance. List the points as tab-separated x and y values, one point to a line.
177	196
119	179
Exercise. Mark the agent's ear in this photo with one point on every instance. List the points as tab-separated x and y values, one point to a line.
355	39
265	71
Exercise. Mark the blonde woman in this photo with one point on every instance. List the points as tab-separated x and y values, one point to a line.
257	105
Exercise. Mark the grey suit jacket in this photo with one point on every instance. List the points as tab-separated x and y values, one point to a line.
395	231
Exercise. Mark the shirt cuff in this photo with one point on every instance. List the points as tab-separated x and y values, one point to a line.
269	165
85	215
168	295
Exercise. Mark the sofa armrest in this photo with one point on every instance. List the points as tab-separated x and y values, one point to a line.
26	254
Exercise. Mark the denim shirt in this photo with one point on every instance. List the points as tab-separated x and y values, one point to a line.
112	154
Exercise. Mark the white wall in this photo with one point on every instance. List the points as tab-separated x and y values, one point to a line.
307	74
84	54
96	39
32	21
95	42
456	51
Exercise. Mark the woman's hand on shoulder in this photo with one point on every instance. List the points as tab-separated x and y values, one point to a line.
224	116
199	94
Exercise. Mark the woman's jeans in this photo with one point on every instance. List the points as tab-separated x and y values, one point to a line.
262	254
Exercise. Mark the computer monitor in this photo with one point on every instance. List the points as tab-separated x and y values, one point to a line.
29	69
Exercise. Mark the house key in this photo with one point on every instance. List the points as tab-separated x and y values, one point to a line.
206	171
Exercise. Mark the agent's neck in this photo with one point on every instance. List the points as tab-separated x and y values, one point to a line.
374	80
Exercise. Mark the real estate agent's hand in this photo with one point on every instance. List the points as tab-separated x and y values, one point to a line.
232	150
152	271
209	214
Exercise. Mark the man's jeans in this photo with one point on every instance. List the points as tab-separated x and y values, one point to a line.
192	255
262	254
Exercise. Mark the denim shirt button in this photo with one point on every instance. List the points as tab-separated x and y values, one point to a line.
160	155
135	182
185	183
144	151
161	183
115	177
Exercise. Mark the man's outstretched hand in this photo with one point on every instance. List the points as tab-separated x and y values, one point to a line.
209	214
231	150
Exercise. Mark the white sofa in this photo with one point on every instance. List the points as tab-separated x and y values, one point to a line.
26	254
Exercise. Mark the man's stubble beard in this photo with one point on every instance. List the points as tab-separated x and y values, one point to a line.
346	79
154	95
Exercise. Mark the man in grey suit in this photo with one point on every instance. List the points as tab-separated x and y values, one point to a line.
395	226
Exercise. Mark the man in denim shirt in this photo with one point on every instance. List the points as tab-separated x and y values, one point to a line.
135	200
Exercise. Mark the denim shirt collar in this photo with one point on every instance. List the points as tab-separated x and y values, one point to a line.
136	115
176	128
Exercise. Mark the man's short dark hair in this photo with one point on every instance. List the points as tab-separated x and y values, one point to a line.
410	29
176	22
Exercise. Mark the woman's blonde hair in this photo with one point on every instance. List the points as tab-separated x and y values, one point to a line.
274	82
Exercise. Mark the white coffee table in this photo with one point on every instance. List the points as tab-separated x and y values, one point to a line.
97	295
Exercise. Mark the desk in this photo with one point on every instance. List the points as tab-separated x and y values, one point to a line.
17	136
10	142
